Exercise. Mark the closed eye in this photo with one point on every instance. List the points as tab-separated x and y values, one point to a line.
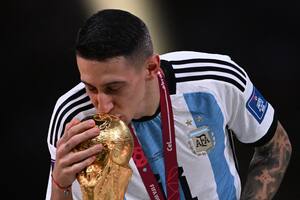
113	88
91	89
109	88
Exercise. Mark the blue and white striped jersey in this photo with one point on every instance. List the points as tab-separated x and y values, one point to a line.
210	95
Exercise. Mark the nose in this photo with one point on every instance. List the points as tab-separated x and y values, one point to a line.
104	103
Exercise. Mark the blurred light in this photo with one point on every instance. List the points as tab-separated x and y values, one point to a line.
144	9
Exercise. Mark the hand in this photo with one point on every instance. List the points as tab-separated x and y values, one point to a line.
68	163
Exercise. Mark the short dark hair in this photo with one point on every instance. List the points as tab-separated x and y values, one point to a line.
110	33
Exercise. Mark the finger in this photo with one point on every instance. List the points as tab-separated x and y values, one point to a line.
75	157
77	139
80	127
65	175
64	138
73	122
78	167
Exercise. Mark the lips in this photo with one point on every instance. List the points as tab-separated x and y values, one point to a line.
120	116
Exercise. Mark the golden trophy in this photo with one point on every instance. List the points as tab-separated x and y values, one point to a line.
108	176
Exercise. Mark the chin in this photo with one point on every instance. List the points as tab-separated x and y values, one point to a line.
123	118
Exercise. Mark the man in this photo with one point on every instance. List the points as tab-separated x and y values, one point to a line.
181	107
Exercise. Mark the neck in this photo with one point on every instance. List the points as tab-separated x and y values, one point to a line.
152	99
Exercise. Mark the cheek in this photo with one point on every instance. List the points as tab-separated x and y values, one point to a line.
93	99
138	95
128	99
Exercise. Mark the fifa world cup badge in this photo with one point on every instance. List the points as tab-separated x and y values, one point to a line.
201	140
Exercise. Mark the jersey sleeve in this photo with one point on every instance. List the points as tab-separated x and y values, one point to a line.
74	103
249	115
246	112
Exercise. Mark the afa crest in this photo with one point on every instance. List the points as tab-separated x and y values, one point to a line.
201	140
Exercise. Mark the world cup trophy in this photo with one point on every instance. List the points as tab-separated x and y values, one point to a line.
108	176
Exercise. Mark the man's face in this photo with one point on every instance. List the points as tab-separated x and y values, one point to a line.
115	86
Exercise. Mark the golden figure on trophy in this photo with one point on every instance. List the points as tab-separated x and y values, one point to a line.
107	178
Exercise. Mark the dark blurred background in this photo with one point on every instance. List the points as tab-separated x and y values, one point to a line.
39	65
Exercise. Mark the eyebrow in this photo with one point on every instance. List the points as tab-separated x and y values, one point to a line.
106	84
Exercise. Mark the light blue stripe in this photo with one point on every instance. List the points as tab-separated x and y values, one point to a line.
205	106
150	137
149	134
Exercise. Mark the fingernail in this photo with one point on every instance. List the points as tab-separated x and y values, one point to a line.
96	129
91	122
99	147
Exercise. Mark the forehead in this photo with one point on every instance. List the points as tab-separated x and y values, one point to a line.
107	64
103	72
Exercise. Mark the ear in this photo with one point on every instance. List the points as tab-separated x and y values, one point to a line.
153	65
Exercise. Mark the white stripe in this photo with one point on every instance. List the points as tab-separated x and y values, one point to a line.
206	64
60	101
163	85
186	55
58	123
136	188
60	130
197	179
189	74
231	165
168	111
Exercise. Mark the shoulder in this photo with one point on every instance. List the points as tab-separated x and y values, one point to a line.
208	69
72	93
71	100
74	103
185	55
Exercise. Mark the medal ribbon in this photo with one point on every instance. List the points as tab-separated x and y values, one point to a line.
170	161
